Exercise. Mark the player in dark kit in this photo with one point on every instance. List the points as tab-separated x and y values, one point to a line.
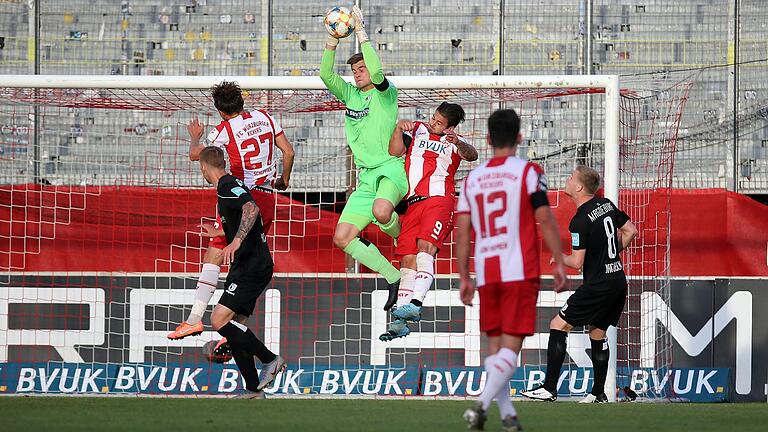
599	231
250	271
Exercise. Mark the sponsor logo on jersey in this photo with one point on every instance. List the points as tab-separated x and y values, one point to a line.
434	146
238	190
356	115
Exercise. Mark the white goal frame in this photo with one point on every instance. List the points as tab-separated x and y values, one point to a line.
608	82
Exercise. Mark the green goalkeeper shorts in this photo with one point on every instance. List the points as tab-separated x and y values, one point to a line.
359	208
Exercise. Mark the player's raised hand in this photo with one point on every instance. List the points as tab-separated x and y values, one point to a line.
195	129
359	21
451	137
466	291
210	231
558	271
229	251
362	36
281	184
405	125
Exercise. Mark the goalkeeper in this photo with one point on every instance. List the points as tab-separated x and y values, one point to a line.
371	115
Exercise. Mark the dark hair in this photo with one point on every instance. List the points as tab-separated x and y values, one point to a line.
213	156
589	178
454	113
227	97
355	58
503	128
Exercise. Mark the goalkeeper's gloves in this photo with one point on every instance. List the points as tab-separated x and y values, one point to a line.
362	36
331	43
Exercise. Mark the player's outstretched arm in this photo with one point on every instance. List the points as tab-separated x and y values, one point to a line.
288	155
628	233
396	144
372	60
195	130
463	244
551	235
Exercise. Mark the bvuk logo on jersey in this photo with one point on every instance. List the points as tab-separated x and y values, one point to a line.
231	288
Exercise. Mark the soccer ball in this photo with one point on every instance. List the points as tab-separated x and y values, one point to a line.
339	22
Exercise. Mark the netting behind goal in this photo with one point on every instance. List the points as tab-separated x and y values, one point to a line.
99	207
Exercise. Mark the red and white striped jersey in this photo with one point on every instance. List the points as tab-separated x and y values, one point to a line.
430	163
497	195
249	141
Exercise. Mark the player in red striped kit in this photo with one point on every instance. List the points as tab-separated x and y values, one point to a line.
502	200
433	152
249	139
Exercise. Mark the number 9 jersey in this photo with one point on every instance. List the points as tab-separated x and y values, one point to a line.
249	141
501	196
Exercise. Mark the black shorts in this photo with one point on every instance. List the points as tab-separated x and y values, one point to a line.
245	282
598	305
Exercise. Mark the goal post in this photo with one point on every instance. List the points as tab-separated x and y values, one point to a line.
108	139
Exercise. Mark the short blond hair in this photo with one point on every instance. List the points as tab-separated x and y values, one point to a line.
589	178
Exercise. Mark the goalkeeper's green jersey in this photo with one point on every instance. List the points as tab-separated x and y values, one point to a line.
370	116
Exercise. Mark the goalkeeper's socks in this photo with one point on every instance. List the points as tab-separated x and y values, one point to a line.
239	335
555	358
392	228
499	369
368	255
425	274
405	291
206	286
600	356
247	367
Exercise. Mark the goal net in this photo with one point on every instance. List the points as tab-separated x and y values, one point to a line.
101	249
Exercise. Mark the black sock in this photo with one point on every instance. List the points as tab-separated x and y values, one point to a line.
416	302
555	358
600	355
240	335
245	363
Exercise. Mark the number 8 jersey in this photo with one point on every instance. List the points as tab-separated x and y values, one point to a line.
249	141
501	195
595	227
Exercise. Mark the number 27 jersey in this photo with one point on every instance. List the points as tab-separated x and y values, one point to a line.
249	141
501	195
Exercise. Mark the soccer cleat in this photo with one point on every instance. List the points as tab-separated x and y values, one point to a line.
510	424
590	398
222	349
397	329
630	394
393	288
408	312
475	417
269	371
184	330
540	393
250	394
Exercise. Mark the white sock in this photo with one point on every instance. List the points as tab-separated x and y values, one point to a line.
499	371
206	286
425	274
505	404
405	291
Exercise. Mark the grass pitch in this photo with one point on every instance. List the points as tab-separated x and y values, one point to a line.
45	414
